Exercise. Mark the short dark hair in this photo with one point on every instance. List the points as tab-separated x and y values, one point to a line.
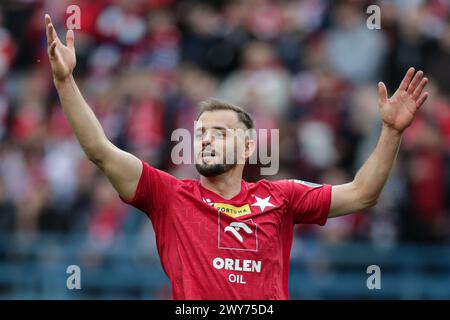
216	104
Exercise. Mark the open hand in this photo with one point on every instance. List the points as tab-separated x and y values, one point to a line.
398	111
62	57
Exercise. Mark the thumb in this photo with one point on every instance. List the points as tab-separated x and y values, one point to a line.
382	92
70	39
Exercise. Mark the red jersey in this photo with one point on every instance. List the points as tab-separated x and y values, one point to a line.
238	248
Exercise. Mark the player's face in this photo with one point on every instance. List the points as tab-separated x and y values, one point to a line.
218	142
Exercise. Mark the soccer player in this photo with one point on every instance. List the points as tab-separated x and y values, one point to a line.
220	237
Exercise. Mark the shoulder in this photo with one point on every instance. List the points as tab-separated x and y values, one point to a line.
281	187
166	179
287	186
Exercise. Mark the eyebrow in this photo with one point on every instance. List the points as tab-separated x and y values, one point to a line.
214	127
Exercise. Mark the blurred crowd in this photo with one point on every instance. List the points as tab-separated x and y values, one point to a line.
306	67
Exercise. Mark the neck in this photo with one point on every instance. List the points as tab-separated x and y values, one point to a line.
227	185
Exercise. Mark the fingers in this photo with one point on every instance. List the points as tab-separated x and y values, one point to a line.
382	92
414	86
52	50
417	93
70	39
422	99
50	30
48	20
415	82
407	79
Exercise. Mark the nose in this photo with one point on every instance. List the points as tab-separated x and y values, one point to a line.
207	138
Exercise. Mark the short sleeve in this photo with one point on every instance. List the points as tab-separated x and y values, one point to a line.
152	190
309	203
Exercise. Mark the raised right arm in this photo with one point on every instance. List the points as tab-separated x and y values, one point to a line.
122	168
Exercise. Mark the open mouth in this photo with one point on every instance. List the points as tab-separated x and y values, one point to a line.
208	154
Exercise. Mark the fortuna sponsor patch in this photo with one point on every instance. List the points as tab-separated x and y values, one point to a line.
233	211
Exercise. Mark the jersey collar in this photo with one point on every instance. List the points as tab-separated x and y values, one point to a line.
242	195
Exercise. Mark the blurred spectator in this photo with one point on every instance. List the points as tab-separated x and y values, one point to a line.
354	52
261	82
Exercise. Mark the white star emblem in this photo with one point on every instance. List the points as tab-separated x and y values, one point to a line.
262	203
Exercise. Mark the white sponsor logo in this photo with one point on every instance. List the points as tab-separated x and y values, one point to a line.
208	201
237	235
237	265
234	228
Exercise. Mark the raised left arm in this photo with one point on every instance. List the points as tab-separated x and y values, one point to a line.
397	114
